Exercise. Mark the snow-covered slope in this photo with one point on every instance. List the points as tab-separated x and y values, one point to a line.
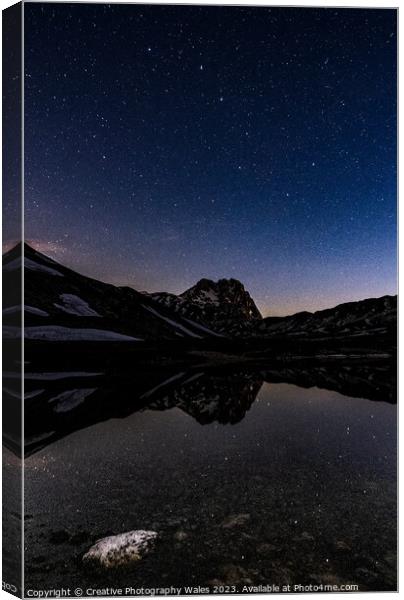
62	305
60	301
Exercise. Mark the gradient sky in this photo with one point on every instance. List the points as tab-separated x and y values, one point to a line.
169	143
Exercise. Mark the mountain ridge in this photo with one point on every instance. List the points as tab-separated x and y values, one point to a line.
222	308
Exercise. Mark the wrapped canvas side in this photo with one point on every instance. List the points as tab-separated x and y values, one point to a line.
12	302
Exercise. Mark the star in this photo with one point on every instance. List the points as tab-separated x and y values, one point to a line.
222	112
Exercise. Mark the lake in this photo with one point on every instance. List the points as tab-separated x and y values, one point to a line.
247	482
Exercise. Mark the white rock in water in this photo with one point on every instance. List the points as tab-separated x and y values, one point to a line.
120	550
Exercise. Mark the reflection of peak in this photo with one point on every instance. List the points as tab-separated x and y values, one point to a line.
226	402
213	398
56	404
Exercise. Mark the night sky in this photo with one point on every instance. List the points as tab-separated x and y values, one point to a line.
168	143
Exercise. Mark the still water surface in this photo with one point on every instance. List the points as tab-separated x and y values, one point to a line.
293	486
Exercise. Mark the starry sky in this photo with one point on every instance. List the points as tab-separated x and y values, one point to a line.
168	143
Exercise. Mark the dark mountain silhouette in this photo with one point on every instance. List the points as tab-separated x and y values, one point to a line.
206	351
366	317
63	305
224	305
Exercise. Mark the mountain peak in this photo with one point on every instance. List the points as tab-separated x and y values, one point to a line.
229	295
19	249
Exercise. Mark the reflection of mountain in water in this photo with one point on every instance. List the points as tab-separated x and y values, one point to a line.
57	404
373	382
213	398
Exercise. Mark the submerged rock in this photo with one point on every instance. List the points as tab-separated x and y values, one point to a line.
120	550
236	520
341	546
180	535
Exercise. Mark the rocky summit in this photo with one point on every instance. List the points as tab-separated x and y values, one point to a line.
224	305
63	305
226	296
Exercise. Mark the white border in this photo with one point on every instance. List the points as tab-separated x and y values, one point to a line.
22	298
314	3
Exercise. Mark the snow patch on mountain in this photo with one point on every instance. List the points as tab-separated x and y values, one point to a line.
171	322
56	333
206	296
56	375
30	264
74	305
35	311
11	310
202	328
